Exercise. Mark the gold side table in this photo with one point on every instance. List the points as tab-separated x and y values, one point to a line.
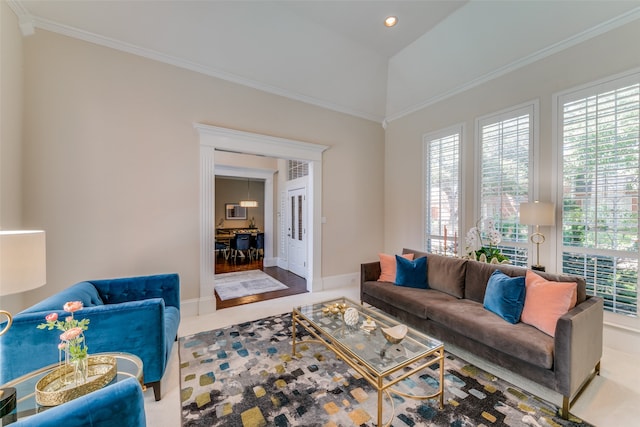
128	365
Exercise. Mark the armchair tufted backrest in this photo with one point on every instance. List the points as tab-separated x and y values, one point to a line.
116	291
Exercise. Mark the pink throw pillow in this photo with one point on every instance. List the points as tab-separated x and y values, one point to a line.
545	302
388	267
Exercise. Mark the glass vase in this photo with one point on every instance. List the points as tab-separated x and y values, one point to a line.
80	370
76	362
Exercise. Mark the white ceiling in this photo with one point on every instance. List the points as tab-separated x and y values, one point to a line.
337	54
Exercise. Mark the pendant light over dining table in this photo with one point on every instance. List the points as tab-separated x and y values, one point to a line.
249	203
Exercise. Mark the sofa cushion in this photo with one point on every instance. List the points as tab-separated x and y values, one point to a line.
446	274
478	273
414	301
411	273
581	290
388	267
83	291
546	301
505	296
470	319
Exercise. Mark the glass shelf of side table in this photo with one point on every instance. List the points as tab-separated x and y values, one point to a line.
128	365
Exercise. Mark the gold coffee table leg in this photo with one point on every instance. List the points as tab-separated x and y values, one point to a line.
442	381
293	333
379	408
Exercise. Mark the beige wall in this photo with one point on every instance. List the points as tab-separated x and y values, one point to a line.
603	56
11	86
112	162
10	120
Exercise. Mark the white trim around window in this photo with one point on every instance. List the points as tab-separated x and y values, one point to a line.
508	125
442	178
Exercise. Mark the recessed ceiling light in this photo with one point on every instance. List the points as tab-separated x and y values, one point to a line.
390	21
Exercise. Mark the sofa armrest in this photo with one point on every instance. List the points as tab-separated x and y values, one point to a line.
137	327
578	344
369	272
165	286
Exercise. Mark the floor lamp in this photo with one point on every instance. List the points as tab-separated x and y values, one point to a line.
23	267
537	213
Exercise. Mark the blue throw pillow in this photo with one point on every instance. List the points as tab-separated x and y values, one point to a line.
505	296
412	274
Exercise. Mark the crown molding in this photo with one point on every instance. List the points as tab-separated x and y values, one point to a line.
55	27
597	30
28	23
25	20
17	7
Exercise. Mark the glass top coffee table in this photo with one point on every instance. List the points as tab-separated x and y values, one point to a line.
128	365
369	353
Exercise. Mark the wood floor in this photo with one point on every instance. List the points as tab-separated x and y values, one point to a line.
296	284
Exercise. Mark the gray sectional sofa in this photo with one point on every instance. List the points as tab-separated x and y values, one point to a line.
452	311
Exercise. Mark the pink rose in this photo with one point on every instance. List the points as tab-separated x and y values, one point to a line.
70	334
72	306
62	346
52	317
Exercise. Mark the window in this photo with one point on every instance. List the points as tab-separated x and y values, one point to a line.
442	190
297	169
505	143
599	151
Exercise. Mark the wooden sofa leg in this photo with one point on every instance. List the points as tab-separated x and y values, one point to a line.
156	389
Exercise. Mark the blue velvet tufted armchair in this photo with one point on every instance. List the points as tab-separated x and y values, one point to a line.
138	315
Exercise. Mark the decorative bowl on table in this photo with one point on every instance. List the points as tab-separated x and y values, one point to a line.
53	390
395	334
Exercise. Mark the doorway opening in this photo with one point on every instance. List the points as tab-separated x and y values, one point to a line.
216	140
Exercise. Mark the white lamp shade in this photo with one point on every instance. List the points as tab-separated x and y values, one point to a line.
249	203
23	264
537	213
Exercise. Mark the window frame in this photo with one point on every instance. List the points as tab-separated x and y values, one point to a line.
559	100
532	108
458	129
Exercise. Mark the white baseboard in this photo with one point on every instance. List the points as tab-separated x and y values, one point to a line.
340	281
270	262
197	306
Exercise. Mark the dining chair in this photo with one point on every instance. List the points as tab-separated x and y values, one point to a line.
240	245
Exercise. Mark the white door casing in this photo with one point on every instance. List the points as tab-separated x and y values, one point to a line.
212	138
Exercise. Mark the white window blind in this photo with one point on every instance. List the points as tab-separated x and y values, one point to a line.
442	190
506	142
600	152
296	169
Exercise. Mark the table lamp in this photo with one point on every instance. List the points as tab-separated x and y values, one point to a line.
537	213
22	267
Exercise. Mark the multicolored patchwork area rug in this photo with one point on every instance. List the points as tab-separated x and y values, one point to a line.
245	376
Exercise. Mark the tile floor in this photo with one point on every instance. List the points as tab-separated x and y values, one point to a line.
611	400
